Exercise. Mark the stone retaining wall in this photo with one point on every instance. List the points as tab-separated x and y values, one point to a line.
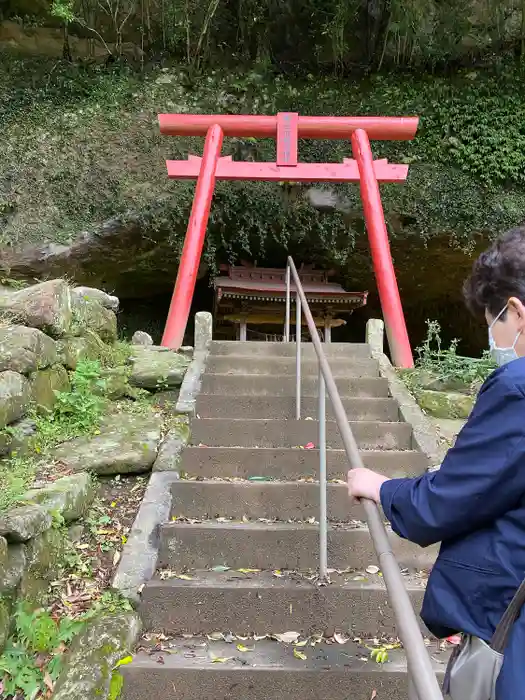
32	546
45	331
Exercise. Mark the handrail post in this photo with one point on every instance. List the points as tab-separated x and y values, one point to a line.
287	314
412	692
297	356
419	665
323	524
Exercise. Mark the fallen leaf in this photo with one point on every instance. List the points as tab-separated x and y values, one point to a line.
184	577
248	571
299	654
48	681
220	569
258	478
220	659
309	446
278	573
454	639
116	557
372	569
301	644
241	647
287	637
215	636
340	638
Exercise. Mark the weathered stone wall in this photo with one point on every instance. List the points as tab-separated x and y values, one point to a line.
32	548
45	330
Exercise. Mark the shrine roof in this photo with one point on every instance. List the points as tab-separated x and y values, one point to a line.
267	284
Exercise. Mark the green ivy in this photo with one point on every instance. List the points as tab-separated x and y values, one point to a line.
95	129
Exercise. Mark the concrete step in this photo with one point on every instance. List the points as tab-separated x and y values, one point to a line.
286	463
354	603
277	500
218	406
263	349
223	432
284	385
286	366
188	670
277	546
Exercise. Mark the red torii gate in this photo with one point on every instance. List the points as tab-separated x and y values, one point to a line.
287	128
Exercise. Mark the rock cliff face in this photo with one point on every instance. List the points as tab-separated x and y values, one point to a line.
104	213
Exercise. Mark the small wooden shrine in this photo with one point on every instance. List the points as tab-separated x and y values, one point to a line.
250	302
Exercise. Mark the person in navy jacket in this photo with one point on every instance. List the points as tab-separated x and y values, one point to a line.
475	503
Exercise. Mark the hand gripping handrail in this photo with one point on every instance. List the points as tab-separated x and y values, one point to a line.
423	684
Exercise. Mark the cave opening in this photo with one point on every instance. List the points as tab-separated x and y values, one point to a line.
149	313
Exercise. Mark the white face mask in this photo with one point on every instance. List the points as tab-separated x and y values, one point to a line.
502	356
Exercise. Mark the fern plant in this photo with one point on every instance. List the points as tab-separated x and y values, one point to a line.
31	664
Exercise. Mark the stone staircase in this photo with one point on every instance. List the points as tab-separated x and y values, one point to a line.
240	554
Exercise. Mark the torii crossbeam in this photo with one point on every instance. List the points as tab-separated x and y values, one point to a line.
287	128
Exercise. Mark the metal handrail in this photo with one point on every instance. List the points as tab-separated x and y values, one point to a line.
423	684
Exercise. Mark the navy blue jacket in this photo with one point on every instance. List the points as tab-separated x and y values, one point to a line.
475	506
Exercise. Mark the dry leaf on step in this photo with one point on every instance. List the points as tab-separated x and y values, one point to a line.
287	637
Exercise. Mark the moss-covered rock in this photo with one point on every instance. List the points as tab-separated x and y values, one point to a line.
107	301
442	404
45	555
15	396
3	553
157	368
46	306
24	522
45	383
11	574
126	444
25	349
141	338
425	379
90	315
86	347
5	620
93	655
18	438
70	496
115	383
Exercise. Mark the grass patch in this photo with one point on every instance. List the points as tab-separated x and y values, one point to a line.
16	475
76	412
443	367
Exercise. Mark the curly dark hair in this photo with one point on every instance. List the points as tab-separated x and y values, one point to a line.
497	275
